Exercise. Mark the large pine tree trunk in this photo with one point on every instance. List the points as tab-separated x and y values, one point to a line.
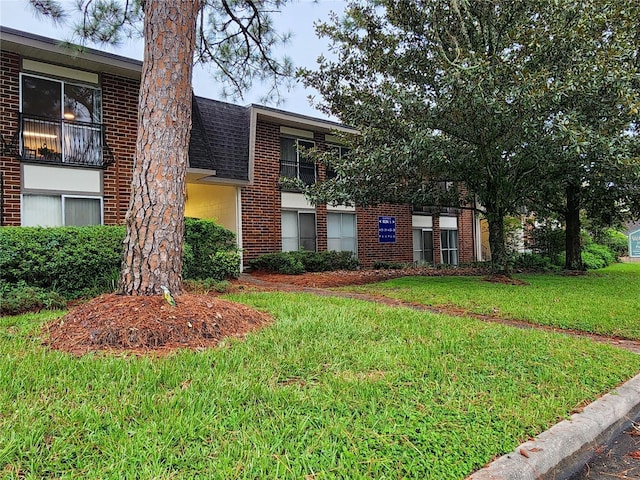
573	246
155	220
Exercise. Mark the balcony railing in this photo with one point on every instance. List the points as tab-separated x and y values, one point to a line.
50	140
305	171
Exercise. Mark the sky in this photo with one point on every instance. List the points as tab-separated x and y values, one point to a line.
297	17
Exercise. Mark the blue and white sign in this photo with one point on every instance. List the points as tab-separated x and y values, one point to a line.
634	244
387	229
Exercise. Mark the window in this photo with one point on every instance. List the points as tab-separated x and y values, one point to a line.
293	161
449	246
341	232
422	246
339	151
298	231
60	121
60	210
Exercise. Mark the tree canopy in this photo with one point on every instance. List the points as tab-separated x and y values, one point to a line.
479	93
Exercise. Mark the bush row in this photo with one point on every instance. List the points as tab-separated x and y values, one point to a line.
295	263
594	256
85	261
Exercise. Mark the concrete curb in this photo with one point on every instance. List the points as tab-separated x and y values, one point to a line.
565	448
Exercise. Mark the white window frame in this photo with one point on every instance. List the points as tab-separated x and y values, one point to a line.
298	212
449	249
297	146
342	237
63	198
65	138
421	249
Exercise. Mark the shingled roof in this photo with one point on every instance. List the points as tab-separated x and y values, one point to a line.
220	138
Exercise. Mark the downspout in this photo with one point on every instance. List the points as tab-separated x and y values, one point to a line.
117	189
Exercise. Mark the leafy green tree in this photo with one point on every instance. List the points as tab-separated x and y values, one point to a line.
592	136
239	39
451	90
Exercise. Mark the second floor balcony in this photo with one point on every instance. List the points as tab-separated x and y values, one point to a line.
48	140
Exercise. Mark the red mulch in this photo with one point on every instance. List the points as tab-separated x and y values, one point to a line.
143	325
359	277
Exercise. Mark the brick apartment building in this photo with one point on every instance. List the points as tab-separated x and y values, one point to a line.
68	128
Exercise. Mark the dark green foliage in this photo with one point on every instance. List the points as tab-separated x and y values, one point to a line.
210	251
21	298
85	261
283	262
547	240
594	256
327	261
295	263
597	256
74	261
206	286
616	241
534	262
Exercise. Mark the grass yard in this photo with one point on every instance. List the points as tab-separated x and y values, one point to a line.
335	388
606	301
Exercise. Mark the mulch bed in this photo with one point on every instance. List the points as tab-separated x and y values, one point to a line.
148	324
342	278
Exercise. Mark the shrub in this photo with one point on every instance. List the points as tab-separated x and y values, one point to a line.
210	251
86	261
20	298
74	261
224	264
385	265
595	254
535	262
592	262
295	263
283	262
203	287
616	241
326	261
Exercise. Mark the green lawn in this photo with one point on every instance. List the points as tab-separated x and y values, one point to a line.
605	301
335	388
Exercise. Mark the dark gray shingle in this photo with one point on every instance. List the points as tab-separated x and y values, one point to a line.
220	138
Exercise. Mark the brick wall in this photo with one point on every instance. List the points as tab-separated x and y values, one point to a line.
120	117
9	108
261	201
465	236
261	213
370	249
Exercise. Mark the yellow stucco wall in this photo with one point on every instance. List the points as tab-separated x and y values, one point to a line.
213	202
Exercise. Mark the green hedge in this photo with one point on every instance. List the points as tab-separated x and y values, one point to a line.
74	261
594	256
85	261
295	263
210	251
